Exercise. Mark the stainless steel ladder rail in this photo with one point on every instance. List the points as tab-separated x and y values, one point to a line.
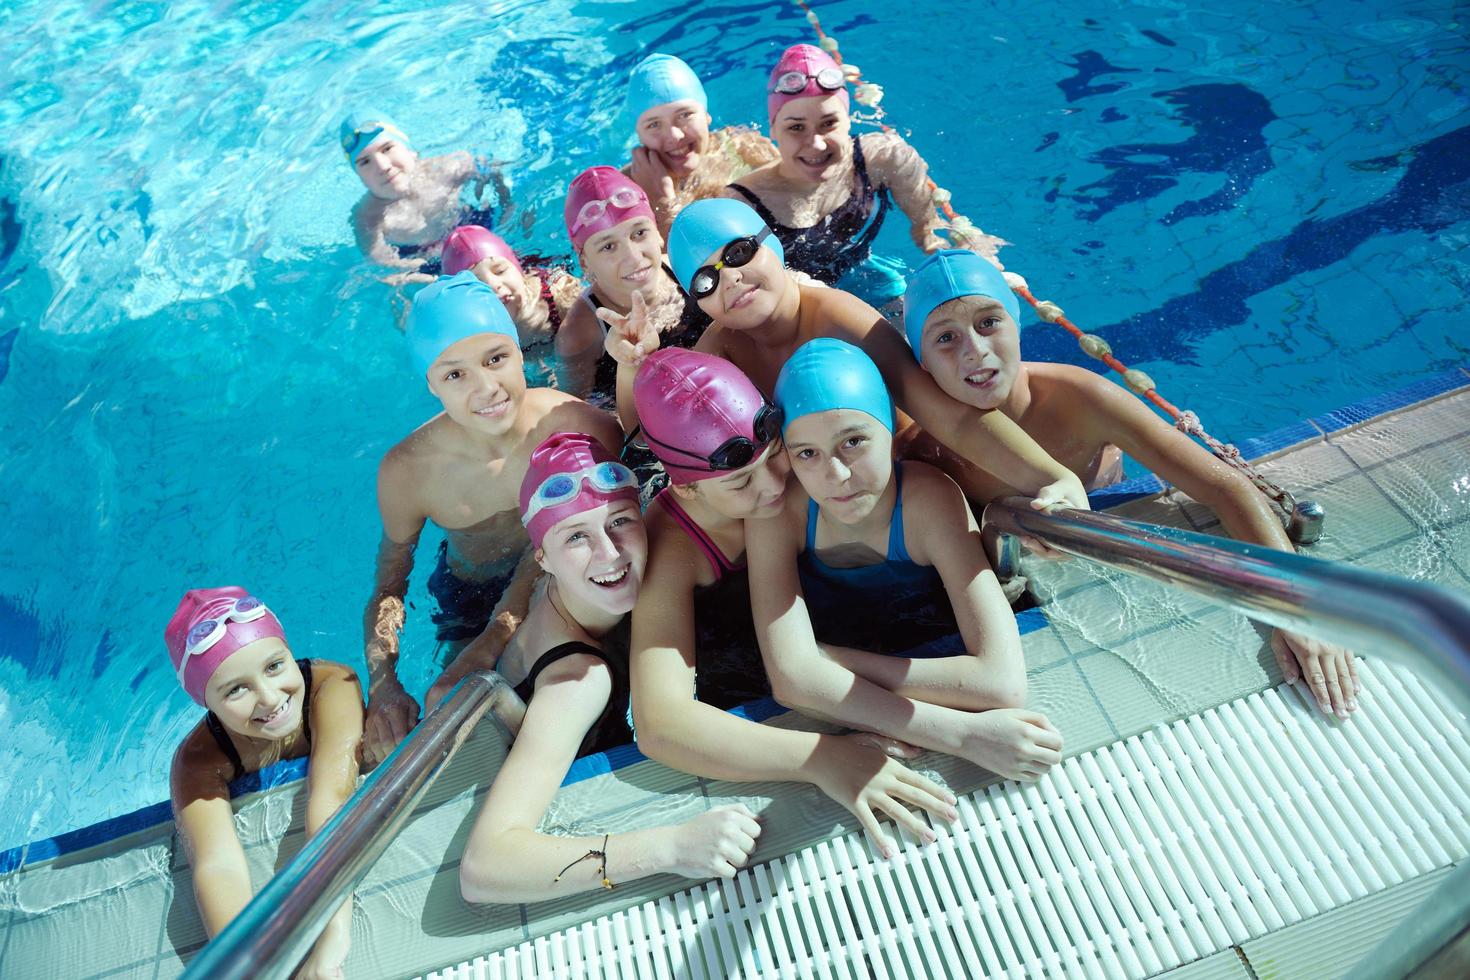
1417	624
272	934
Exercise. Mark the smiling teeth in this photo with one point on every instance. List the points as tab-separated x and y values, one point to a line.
612	579
277	713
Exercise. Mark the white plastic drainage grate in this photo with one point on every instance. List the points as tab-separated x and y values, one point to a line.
1123	862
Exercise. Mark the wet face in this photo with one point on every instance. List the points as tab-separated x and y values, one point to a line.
844	460
258	691
678	132
598	556
386	168
813	137
747	296
505	280
752	492
480	381
624	259
972	348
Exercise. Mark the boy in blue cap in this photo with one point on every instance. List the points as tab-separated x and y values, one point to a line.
678	159
462	470
961	320
412	202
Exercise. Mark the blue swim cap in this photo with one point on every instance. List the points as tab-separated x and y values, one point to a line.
825	374
704	227
947	275
360	129
657	80
448	310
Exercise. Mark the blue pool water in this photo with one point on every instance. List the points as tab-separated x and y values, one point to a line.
1267	208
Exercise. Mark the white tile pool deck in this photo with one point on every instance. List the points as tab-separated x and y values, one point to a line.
1119	657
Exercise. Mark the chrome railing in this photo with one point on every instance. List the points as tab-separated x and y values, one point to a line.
272	934
1420	625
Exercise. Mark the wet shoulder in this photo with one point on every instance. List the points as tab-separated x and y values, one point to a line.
198	763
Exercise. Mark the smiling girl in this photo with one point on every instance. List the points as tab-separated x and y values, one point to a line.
264	705
568	661
886	561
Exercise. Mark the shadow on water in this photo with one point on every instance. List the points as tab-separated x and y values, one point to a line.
1090	65
1432	194
1228	121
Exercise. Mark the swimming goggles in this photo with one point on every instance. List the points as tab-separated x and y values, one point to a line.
565	487
736	254
735	452
371	130
624	198
207	632
794	82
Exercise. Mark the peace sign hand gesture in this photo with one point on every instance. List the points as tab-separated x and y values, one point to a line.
630	338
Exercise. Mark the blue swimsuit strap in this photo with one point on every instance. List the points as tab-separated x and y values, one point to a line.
896	549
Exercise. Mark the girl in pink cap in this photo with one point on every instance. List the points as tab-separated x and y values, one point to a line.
568	663
612	226
535	292
828	193
230	654
694	646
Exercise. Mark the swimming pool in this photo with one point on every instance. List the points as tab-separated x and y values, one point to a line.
1271	221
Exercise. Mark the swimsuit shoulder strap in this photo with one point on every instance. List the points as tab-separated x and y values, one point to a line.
222	739
897	550
860	164
812	513
561	651
553	314
590	298
717	560
758	204
304	665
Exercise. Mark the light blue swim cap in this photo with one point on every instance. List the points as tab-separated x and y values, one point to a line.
360	129
704	227
657	80
448	310
946	275
825	374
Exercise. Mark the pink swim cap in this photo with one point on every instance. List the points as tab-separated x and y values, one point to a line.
690	404
469	245
233	616
811	62
590	476
601	198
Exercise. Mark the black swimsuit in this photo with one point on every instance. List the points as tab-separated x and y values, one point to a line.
611	728
222	737
484	217
829	249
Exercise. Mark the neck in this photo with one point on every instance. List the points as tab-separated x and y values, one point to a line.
595	622
783	329
1019	400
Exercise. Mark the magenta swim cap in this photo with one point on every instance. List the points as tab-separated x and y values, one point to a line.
213	624
469	245
697	403
570	473
811	62
601	198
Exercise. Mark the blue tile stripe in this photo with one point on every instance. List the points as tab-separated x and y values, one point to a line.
1029	621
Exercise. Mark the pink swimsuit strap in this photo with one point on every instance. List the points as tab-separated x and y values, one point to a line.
721	565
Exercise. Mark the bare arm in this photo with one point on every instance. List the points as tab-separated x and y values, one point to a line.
199	787
367	227
680	732
336	725
993	672
1114	415
990	440
894	162
507	861
391	711
579	343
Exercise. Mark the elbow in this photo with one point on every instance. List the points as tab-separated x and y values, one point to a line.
789	693
985	687
480	881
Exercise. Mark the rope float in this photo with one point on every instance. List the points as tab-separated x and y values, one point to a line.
1302	518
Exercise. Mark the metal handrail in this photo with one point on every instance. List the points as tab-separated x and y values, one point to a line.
1419	624
272	934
